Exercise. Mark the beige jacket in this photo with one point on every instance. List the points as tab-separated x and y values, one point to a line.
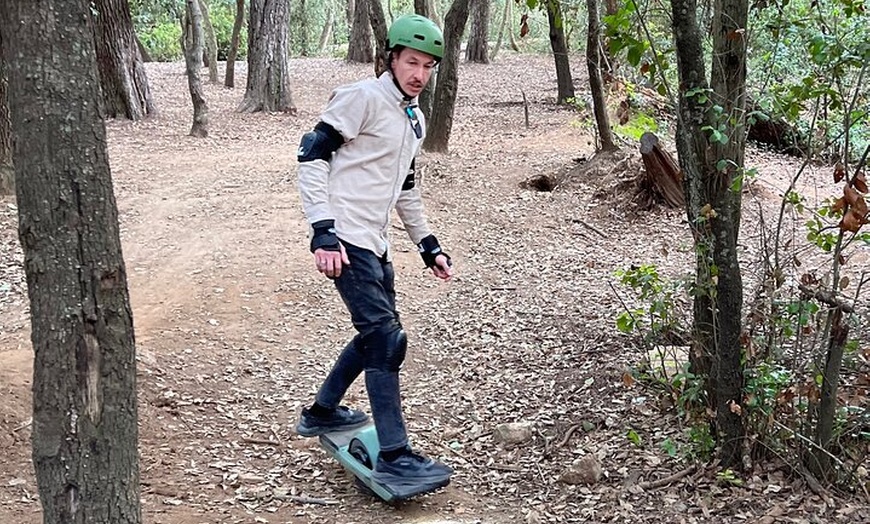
363	183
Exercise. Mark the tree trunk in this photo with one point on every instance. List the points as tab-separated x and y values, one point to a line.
512	38
359	45
432	8
425	98
268	87
122	73
596	86
210	43
351	9
438	132
611	7
662	178
709	168
477	50
819	462
84	433
560	52
299	37
7	174
192	38
326	33
504	18
230	78
142	51
379	29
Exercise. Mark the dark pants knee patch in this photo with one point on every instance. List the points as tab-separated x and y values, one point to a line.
385	347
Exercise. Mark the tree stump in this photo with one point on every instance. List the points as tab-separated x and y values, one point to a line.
662	179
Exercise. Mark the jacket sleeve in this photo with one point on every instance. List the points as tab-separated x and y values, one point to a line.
345	114
409	206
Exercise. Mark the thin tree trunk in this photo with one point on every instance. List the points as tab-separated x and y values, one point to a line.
820	463
268	86
192	38
379	30
560	52
425	98
230	78
7	174
504	19
596	86
512	38
122	73
359	45
438	132
84	432
432	9
477	50
326	34
611	7
210	43
142	51
712	208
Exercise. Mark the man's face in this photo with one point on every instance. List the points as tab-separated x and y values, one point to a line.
412	70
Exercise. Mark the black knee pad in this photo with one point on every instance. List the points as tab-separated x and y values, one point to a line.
385	347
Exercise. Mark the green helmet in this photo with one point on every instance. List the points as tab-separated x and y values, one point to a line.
416	32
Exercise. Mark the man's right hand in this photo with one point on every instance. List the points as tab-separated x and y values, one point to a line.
330	262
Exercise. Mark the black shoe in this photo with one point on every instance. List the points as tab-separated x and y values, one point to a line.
411	469
340	419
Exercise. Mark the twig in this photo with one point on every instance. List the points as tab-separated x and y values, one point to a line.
568	435
660	483
306	500
260	441
827	297
591	228
506	467
22	426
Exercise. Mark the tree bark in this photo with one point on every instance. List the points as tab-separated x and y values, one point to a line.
709	168
379	30
438	132
504	18
300	37
84	433
611	7
819	461
560	52
359	45
662	178
230	78
477	50
193	39
124	84
326	33
425	98
596	85
268	86
211	50
512	38
7	174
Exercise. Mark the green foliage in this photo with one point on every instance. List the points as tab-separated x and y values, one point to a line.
637	125
660	317
157	24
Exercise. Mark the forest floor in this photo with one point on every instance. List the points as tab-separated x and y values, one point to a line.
235	328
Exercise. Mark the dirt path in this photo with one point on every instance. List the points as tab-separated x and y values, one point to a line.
234	329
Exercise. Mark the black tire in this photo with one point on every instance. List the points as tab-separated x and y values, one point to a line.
358	451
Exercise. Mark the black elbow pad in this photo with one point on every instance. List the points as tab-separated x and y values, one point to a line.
320	143
410	179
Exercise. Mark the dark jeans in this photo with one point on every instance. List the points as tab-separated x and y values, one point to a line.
367	288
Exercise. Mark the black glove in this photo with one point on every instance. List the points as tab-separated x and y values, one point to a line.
430	249
324	236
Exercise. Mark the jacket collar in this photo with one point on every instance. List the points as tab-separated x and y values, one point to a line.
392	90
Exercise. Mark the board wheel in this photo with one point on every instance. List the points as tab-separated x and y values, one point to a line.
358	451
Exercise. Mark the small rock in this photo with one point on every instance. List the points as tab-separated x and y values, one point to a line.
585	470
513	432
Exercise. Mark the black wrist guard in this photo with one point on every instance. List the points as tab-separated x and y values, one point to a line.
324	236
430	249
